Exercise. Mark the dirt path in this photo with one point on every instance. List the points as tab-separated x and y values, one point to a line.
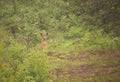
90	66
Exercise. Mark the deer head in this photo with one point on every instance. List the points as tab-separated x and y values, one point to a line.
44	36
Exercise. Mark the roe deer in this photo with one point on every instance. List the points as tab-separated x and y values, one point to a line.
44	43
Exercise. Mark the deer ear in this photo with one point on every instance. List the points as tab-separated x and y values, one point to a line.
41	34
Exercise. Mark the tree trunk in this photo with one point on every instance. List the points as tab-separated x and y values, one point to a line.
14	6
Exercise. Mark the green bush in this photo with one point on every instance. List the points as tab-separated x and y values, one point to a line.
21	65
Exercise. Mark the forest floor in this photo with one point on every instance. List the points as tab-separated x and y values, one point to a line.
86	66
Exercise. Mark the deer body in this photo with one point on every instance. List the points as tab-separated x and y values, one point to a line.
44	45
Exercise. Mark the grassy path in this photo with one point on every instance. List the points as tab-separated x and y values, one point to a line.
86	66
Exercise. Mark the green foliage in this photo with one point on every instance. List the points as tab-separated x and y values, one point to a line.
22	66
72	25
102	13
95	39
34	68
74	32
